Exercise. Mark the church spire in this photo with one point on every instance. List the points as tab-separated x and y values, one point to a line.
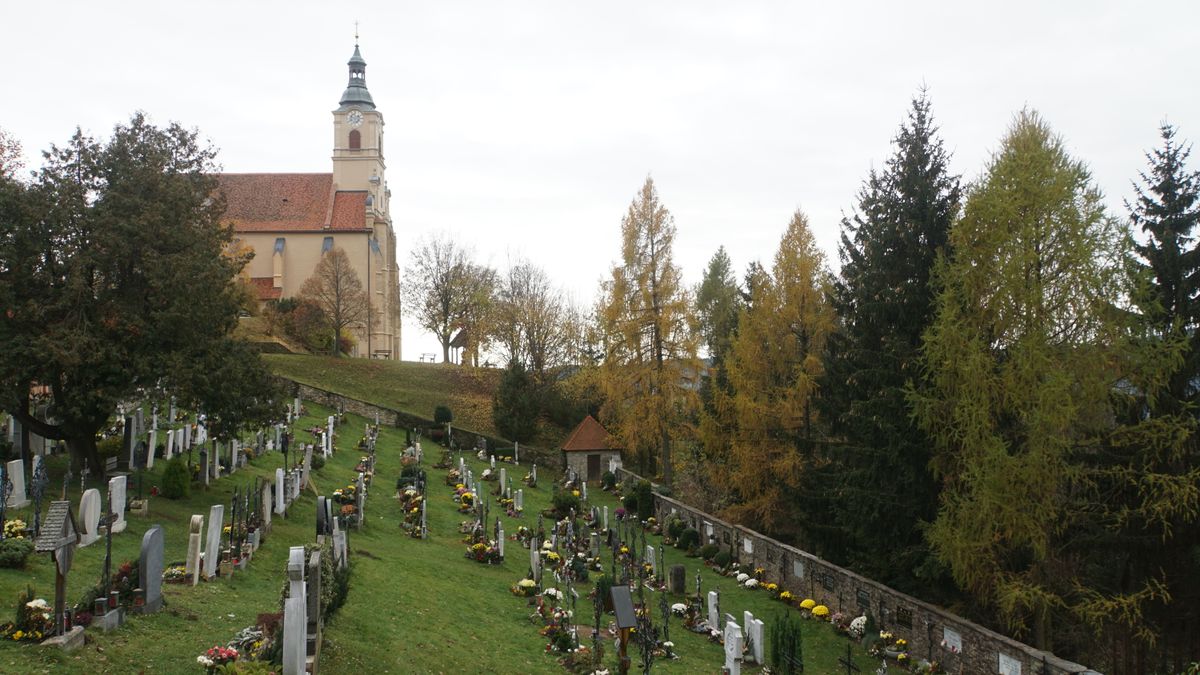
356	94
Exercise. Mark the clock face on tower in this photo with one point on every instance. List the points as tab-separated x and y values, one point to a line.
355	118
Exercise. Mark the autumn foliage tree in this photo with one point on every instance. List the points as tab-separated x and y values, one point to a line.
335	289
650	369
773	365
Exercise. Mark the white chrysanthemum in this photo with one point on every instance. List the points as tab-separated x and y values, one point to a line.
742	577
751	583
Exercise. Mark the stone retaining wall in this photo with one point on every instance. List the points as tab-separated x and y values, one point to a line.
922	624
399	419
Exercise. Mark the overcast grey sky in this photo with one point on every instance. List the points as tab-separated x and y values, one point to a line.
526	128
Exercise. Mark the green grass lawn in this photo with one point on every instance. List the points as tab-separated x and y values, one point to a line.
415	388
414	606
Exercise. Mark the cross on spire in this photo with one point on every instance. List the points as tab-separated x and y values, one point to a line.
356	32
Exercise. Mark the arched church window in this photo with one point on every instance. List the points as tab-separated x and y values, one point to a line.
355	139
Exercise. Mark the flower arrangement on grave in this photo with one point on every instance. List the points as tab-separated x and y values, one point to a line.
363	466
750	583
841	623
552	559
786	597
466	501
525	588
523	535
857	628
488	475
808	604
454	478
215	657
176	574
820	612
529	480
15	529
34	619
487	553
771	588
619	514
445	462
345	495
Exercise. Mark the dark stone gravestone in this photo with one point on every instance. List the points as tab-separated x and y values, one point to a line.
677	579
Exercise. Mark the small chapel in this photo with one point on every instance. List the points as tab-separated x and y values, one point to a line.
291	220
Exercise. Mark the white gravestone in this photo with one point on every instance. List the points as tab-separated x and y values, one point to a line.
500	542
265	505
503	479
212	544
714	618
280	507
733	648
520	501
748	546
295	619
89	517
798	569
116	488
650	558
152	450
16	473
192	563
606	516
754	633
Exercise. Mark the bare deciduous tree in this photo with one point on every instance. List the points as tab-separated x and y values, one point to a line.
448	292
336	289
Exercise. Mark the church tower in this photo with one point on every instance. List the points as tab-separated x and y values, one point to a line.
358	137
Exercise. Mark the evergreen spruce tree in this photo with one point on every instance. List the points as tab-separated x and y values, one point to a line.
515	403
885	302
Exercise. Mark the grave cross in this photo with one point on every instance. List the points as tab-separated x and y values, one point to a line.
106	521
597	607
40	480
665	609
66	481
848	662
233	523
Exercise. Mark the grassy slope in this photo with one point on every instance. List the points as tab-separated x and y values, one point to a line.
416	388
414	606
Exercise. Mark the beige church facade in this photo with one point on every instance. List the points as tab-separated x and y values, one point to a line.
291	220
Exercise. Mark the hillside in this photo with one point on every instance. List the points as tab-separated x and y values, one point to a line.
415	388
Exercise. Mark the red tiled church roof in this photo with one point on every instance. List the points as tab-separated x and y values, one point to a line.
265	288
290	202
588	436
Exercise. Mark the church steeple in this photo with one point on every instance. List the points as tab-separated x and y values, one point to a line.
356	94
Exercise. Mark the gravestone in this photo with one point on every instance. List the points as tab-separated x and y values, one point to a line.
16	473
339	543
754	634
150	569
650	559
714	609
264	506
295	619
1007	665
677	579
313	595
280	506
322	523
204	466
191	564
520	500
307	466
503	479
116	491
152	450
535	561
500	542
89	517
733	648
605	516
212	544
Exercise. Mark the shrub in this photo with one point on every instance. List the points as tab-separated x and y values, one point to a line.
442	415
645	500
708	551
630	502
604	584
564	501
109	447
175	479
687	539
14	552
608	481
318	462
722	559
675	527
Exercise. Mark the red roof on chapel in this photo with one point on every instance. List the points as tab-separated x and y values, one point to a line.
588	436
290	202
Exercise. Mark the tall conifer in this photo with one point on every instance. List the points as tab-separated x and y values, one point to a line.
884	302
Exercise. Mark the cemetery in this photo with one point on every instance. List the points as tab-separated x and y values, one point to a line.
479	564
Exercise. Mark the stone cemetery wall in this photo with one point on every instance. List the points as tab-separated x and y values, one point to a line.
924	626
399	419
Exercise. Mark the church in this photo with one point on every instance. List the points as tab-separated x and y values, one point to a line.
291	220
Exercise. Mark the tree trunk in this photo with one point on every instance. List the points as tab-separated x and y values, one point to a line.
83	450
445	351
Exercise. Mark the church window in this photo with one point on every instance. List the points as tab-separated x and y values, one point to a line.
355	140
326	245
